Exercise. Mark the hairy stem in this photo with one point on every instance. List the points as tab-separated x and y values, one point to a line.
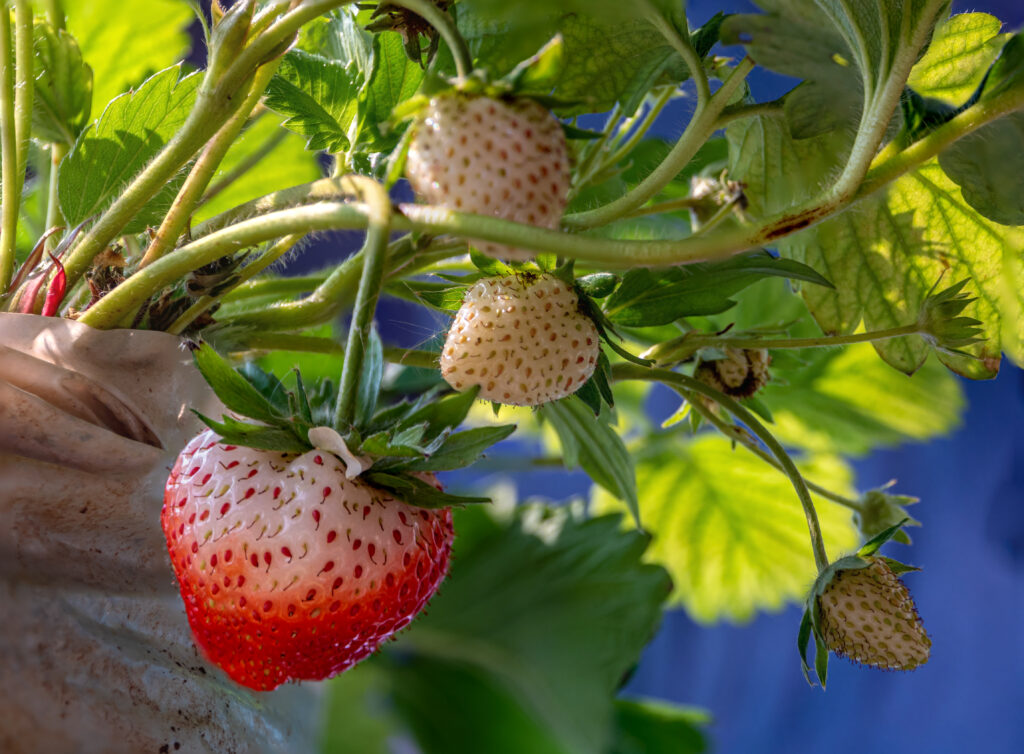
738	434
689	384
8	154
685	345
191	191
370	282
681	44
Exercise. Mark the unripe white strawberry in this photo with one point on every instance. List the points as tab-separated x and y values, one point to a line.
522	339
505	158
867	614
740	374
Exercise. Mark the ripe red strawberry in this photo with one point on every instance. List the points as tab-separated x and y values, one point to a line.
289	570
505	158
867	614
522	339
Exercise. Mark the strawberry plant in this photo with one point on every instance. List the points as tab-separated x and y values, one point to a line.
709	326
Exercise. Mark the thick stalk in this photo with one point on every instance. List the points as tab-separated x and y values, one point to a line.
700	128
689	384
11	190
252	269
681	44
216	102
53	213
24	80
192	190
370	282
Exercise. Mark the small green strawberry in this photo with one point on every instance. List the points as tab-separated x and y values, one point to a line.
860	609
522	338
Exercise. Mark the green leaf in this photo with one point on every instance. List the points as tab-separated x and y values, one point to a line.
462	449
488	266
63	86
358	716
414	491
283	162
395	79
846	401
318	97
590	442
446	413
524	616
315	367
129	133
886	252
237	393
649	297
962	49
655	727
255	435
123	48
539	73
612	52
729	528
988	166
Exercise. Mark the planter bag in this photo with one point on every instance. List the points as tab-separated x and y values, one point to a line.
95	650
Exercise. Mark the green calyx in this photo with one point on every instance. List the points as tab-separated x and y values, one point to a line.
395	442
812	625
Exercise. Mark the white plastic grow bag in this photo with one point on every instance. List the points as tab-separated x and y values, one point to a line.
95	651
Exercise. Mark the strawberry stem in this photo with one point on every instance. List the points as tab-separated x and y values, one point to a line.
371	280
689	384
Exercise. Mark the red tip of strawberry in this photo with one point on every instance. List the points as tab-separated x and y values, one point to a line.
288	570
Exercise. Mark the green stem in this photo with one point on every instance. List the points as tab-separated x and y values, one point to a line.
623	149
682	45
54	13
11	182
734	432
675	381
24	83
370	282
53	213
191	191
771	109
204	303
700	128
880	104
595	147
279	341
276	286
673	205
685	345
217	100
444	25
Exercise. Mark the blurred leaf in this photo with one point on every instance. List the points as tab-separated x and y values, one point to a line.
285	163
318	97
129	133
846	401
593	444
358	712
962	49
63	86
544	612
729	528
315	367
395	79
655	727
125	44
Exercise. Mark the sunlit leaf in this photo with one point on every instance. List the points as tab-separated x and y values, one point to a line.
847	401
729	528
129	133
122	48
961	51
